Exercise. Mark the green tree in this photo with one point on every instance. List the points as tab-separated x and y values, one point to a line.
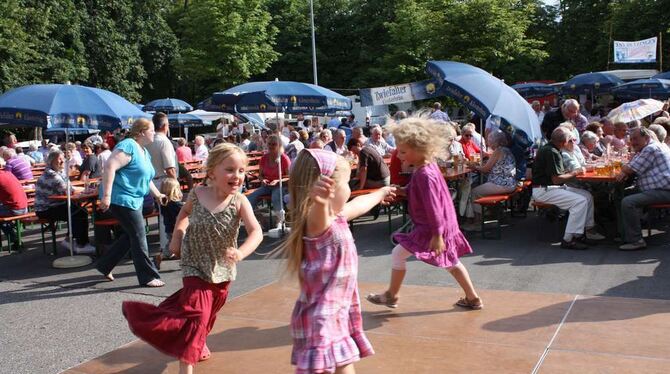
112	52
56	27
16	46
293	41
223	43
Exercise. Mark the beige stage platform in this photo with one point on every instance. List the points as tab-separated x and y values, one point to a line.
516	333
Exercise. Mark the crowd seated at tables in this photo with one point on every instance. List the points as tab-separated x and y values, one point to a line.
17	166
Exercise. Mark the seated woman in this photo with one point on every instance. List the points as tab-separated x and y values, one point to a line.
470	148
52	182
501	175
572	155
183	151
597	129
589	145
269	174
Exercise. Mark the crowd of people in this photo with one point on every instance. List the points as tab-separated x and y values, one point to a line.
317	167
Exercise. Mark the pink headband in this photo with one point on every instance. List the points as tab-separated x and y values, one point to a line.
325	159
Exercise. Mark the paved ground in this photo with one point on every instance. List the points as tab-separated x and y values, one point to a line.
54	319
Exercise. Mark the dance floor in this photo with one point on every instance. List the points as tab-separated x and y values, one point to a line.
516	332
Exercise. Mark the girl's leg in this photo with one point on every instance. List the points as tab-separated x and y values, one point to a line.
460	273
389	298
346	369
185	368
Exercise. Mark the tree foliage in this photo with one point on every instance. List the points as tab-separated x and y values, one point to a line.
179	48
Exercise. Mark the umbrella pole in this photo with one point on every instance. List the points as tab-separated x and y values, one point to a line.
70	261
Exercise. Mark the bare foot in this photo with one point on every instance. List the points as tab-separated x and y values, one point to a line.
155	283
109	277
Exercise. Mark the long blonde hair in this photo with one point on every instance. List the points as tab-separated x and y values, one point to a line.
304	173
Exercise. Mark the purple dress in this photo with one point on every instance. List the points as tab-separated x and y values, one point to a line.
432	213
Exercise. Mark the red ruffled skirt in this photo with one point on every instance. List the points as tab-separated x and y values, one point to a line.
179	325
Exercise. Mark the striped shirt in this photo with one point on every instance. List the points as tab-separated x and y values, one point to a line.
652	166
20	168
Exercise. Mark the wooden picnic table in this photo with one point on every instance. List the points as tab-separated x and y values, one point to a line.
591	176
616	192
451	174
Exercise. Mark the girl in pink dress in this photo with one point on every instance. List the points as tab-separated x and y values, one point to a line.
326	323
436	238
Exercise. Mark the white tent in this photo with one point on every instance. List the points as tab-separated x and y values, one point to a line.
209	117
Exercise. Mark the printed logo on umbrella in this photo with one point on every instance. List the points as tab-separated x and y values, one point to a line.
18	115
430	88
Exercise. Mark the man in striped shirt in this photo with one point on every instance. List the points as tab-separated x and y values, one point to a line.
17	166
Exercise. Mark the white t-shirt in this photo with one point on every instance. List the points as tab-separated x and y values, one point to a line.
201	152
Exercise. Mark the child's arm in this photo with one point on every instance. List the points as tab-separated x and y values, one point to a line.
180	227
254	232
362	204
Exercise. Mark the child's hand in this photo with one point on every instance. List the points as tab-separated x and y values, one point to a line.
175	249
323	190
233	255
437	245
400	191
389	195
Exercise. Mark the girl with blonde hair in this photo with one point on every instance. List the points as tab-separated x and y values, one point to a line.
326	323
435	238
205	235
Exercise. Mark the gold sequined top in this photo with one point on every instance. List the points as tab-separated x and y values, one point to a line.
206	239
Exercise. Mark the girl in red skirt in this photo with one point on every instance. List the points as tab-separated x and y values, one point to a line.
205	235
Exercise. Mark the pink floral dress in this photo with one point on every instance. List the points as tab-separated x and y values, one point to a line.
326	323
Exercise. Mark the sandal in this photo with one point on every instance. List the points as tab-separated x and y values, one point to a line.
383	299
155	283
205	354
474	304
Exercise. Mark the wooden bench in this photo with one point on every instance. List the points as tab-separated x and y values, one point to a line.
498	203
45	225
550	210
18	226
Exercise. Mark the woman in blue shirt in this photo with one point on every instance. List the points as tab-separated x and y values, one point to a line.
126	179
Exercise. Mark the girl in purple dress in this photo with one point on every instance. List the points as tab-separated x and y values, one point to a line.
436	238
326	323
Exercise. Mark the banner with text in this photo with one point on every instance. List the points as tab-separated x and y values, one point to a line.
401	93
641	51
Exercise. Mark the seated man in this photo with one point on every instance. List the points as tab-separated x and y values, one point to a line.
549	179
372	171
651	164
13	202
377	142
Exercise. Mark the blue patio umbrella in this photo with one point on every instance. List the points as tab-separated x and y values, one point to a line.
485	95
167	106
590	83
66	108
533	90
70	108
664	75
644	88
280	96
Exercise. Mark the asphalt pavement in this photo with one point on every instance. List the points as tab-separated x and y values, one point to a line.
53	319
